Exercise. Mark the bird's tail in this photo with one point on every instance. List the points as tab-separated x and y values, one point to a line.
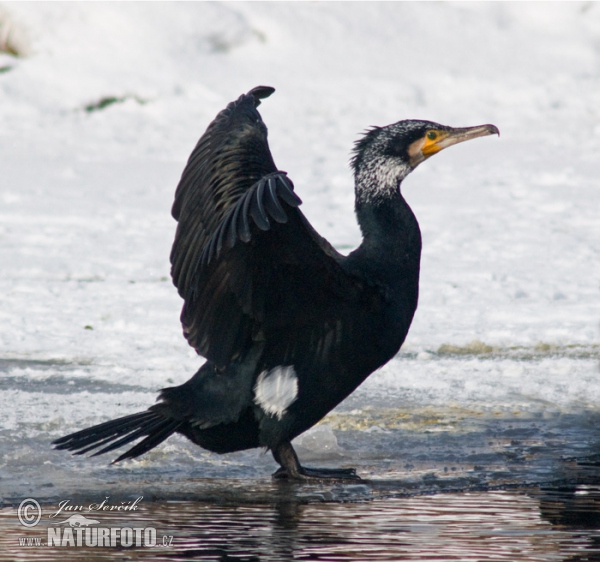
115	433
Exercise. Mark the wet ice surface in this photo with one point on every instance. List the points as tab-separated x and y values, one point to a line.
460	423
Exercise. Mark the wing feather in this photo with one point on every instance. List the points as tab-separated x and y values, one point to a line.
249	266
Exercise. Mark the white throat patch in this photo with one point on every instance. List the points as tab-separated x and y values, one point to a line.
276	390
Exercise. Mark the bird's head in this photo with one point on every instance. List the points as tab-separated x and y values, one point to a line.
384	156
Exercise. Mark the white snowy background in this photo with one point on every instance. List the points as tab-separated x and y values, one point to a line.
507	328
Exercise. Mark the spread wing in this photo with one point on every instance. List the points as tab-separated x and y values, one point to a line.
247	263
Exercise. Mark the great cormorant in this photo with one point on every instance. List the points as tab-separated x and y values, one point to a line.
289	326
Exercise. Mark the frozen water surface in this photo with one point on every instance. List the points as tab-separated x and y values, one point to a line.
497	385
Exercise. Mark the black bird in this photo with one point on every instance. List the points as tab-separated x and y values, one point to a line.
289	326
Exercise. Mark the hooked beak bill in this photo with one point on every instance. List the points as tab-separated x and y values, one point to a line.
436	140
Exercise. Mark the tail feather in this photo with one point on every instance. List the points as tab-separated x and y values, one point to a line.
151	441
104	431
146	429
121	431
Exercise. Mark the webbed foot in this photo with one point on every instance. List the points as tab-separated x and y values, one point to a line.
291	469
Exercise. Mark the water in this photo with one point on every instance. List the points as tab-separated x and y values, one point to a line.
502	525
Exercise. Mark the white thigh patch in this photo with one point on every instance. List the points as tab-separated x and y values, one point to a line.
276	389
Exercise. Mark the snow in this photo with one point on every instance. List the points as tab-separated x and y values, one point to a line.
89	320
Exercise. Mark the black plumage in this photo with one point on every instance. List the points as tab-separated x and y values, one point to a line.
288	325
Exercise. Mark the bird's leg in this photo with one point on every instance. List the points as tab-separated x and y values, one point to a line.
291	468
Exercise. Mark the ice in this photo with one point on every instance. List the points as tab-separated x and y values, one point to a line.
318	442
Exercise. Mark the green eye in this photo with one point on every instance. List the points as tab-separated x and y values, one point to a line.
432	135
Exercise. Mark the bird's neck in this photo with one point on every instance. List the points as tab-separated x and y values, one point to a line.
391	247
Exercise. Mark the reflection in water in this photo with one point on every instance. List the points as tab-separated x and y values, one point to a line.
542	524
573	506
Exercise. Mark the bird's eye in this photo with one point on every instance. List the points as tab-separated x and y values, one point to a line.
432	135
